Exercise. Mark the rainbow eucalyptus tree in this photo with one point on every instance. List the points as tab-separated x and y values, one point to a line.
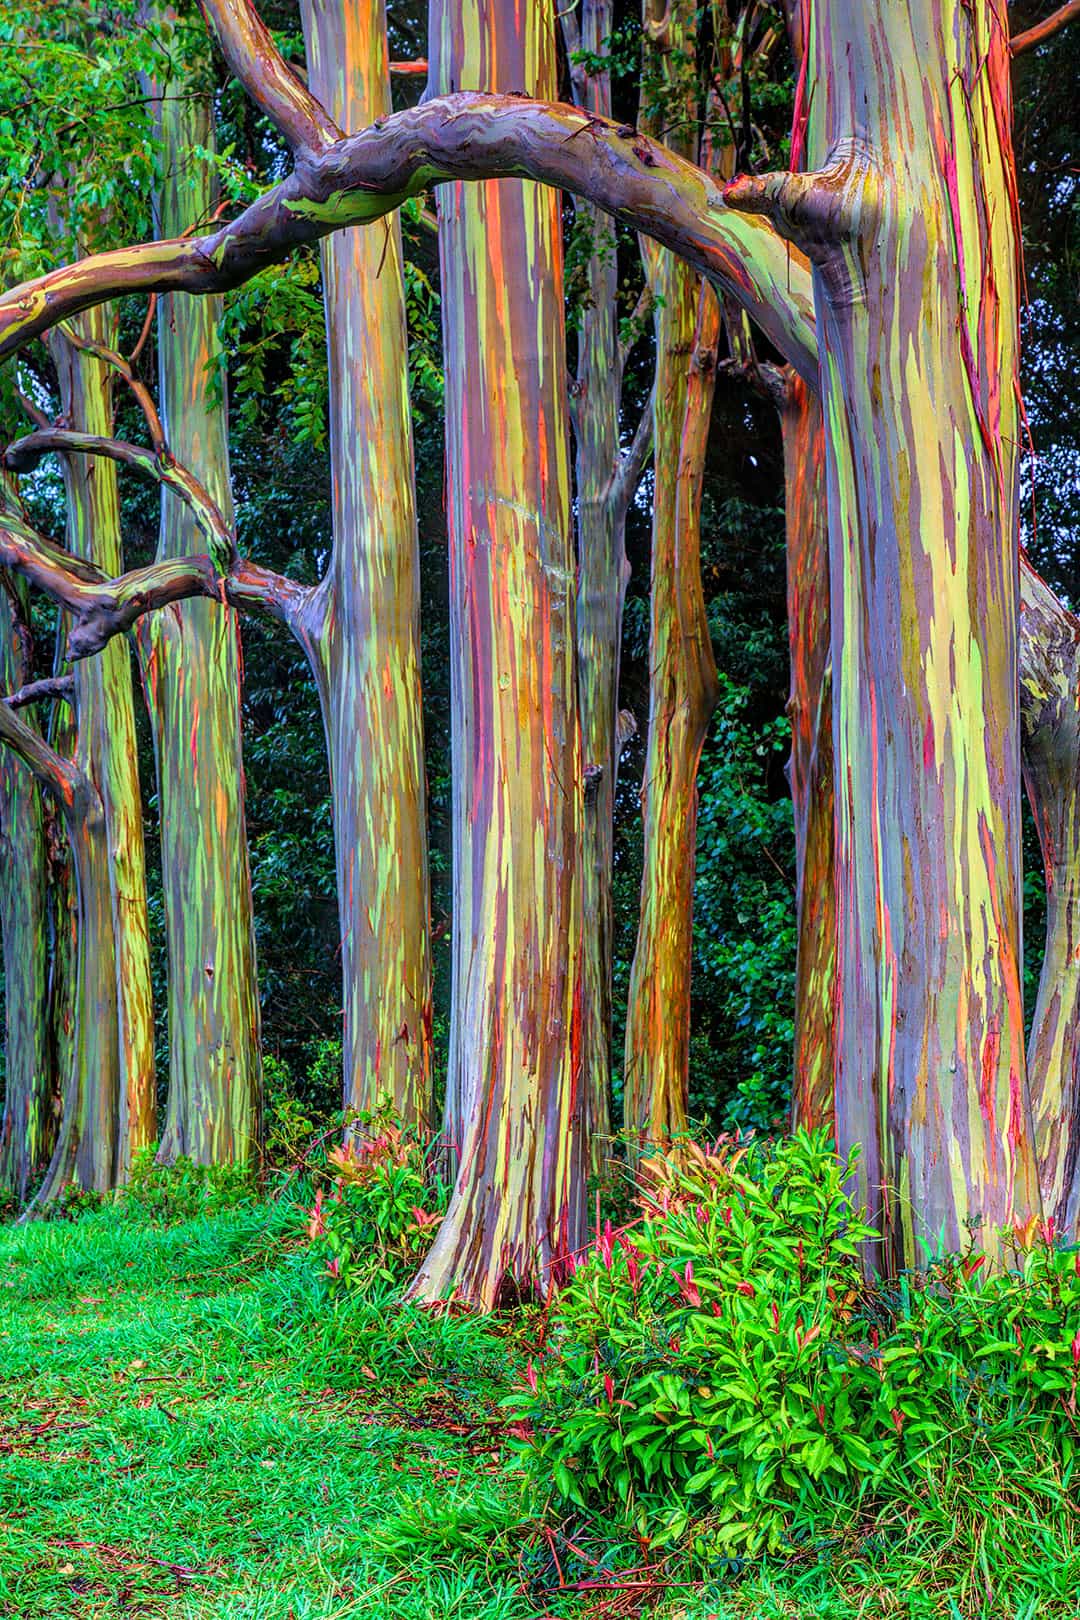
682	674
810	763
191	667
905	295
606	475
359	628
362	626
111	860
514	1107
25	1126
909	221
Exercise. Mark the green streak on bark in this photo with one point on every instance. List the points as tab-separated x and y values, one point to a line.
192	678
117	1082
26	1125
361	628
513	1103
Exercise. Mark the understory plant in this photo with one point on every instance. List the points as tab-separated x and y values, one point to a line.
378	1204
719	1370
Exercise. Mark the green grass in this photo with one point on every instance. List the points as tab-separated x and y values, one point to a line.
188	1429
184	1433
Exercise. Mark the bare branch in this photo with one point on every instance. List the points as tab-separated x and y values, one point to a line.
56	687
628	474
466	136
25	454
250	586
641	312
100	608
255	60
125	369
404	69
1044	30
61	777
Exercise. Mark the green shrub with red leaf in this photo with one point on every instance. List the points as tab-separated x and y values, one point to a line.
717	1370
375	1217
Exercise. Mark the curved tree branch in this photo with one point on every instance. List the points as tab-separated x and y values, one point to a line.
466	136
1044	30
56	687
24	455
255	60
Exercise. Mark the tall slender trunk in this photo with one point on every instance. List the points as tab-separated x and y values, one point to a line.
86	1148
682	675
682	696
361	628
1050	708
109	855
191	666
514	1101
811	763
910	227
26	1124
604	482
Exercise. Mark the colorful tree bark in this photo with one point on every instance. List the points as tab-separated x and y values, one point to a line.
606	477
513	1091
362	626
910	225
1049	686
810	766
682	674
191	667
26	1124
108	854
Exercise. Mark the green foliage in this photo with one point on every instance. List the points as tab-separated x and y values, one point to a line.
744	919
384	1206
170	1193
720	1372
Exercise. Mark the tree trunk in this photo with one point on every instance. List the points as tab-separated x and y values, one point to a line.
362	626
682	674
605	481
513	1090
192	678
86	1148
109	758
1049	687
910	226
811	764
26	1125
682	696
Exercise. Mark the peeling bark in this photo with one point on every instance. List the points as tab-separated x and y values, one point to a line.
26	1124
191	667
513	1091
909	222
362	626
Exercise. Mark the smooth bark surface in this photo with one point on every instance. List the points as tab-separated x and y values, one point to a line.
513	1092
363	623
26	1124
109	856
810	768
191	666
910	225
1050	709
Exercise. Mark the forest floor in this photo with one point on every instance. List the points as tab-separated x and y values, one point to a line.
187	1431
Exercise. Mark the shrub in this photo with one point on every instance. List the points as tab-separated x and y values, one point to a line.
719	1368
178	1192
383	1208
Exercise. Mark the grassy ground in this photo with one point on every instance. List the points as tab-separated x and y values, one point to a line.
187	1430
172	1444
